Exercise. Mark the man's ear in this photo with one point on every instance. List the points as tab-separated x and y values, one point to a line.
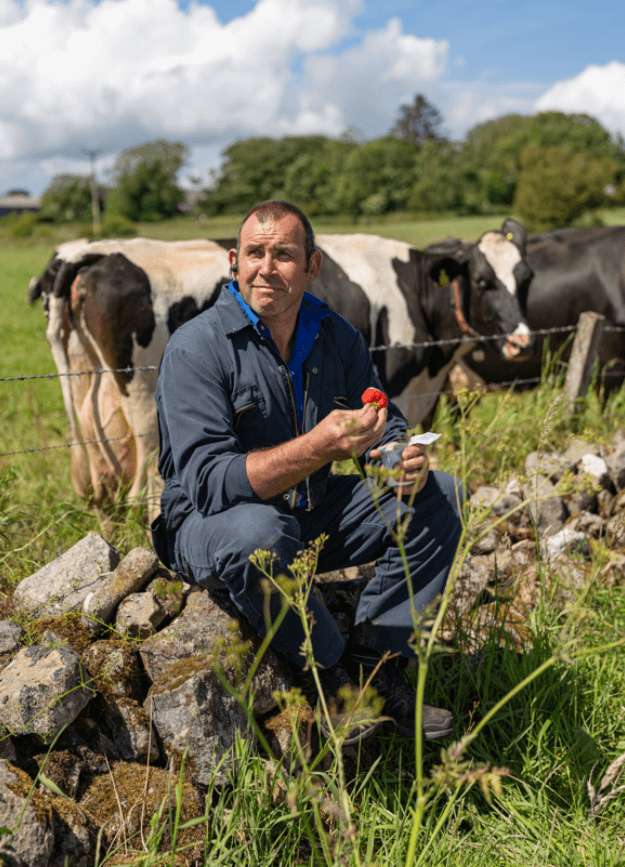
232	258
314	266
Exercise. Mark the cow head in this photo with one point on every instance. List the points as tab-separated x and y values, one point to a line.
488	282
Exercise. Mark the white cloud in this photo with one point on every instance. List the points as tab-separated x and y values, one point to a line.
76	75
598	91
363	86
465	104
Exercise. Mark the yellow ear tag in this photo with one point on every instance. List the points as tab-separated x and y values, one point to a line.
509	236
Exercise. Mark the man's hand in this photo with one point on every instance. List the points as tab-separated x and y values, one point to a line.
339	436
344	434
415	465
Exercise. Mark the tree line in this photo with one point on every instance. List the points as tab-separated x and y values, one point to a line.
550	169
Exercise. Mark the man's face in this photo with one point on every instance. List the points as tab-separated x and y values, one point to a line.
272	272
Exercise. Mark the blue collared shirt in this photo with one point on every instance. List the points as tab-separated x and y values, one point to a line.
310	317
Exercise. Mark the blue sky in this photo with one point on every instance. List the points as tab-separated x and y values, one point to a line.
499	40
83	74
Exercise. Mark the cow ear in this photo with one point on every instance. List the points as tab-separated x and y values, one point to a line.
448	247
443	271
515	232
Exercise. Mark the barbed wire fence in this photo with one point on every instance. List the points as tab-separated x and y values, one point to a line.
426	344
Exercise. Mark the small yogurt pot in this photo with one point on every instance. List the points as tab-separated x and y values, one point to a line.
391	454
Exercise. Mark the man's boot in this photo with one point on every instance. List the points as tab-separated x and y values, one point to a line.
399	697
359	723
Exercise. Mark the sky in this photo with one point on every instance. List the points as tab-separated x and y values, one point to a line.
80	75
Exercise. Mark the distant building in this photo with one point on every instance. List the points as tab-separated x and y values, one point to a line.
17	201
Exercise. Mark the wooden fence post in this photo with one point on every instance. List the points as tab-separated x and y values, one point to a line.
585	349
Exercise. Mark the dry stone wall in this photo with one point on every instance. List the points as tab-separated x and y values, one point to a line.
121	683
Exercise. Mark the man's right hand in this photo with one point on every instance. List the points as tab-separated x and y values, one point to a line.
345	434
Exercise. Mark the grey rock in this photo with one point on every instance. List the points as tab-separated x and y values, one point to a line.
508	562
139	616
64	769
131	733
484	497
583	499
508	506
63	584
51	639
488	542
577	449
608	503
114	666
619	439
572	578
168	590
195	632
474	577
615	529
546	507
550	464
588	523
616	467
74	837
503	504
596	468
42	690
192	710
568	539
131	575
33	842
10	635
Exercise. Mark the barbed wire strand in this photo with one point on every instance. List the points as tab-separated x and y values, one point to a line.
541	332
477	386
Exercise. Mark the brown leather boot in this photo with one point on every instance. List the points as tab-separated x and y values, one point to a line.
399	697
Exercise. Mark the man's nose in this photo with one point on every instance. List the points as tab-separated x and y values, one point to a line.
267	265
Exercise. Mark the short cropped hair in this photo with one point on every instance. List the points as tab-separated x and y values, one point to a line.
274	209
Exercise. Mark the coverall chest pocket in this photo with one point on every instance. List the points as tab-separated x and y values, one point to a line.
249	422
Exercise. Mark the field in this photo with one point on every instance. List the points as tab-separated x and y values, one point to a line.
563	722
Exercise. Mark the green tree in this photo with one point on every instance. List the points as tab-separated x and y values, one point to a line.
257	169
444	182
311	180
67	199
418	122
145	181
493	148
556	185
377	177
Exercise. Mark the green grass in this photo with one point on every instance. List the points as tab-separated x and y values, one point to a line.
563	729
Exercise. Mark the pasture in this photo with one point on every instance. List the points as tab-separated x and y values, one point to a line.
560	730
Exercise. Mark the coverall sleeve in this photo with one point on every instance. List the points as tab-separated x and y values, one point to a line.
199	447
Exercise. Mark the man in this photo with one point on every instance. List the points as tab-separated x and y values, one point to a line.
256	398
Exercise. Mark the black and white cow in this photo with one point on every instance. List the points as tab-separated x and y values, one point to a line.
575	270
112	305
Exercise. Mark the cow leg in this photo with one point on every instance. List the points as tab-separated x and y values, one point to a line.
56	311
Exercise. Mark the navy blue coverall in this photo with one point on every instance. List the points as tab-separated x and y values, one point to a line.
223	391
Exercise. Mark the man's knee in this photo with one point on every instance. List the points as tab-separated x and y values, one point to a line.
250	527
452	490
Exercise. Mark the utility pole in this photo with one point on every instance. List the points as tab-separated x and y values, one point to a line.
95	198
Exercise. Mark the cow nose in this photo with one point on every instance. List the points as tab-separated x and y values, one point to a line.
521	340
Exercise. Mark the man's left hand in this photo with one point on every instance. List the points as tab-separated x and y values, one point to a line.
415	465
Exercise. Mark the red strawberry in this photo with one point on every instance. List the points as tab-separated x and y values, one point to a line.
375	396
